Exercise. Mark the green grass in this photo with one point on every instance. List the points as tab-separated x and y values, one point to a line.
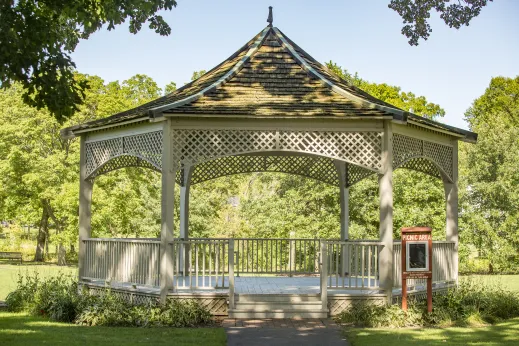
9	274
503	334
510	282
21	329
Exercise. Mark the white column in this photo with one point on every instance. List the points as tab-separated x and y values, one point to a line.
167	209
386	211
184	216
344	193
451	197
85	207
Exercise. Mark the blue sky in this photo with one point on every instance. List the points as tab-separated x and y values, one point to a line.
452	68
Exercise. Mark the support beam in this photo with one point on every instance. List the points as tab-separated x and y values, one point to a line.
451	197
344	192
85	206
184	217
386	212
167	209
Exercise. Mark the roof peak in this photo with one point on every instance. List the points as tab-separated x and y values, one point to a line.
270	18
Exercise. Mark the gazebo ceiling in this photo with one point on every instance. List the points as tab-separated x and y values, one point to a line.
270	76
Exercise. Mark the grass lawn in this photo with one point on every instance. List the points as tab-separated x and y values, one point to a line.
21	329
509	281
505	333
9	274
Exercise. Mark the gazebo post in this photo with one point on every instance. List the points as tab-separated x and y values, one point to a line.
386	212
451	213
344	193
85	206
167	209
184	217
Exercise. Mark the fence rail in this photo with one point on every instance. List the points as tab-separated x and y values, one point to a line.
200	263
352	264
134	261
443	264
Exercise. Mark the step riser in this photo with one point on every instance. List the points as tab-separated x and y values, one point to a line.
248	315
276	298
276	306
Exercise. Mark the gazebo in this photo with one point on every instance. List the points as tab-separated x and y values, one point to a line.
270	107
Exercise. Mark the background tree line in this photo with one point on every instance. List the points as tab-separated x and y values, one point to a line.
39	181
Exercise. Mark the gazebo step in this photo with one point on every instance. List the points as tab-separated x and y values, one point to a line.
282	306
278	298
293	313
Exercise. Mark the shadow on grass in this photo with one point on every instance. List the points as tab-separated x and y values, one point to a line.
504	333
20	329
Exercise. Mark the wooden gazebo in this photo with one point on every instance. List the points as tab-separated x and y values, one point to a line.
269	107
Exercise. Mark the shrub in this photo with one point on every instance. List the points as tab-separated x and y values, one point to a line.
111	310
470	303
59	299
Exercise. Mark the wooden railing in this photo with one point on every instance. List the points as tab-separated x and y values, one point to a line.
201	263
352	264
134	261
276	256
443	264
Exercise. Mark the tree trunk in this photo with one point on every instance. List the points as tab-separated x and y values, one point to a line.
42	236
62	254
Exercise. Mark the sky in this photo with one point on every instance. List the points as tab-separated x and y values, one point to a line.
452	68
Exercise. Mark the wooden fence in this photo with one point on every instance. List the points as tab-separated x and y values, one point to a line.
352	264
134	261
443	264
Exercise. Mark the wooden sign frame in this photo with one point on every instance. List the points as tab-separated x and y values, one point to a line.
423	267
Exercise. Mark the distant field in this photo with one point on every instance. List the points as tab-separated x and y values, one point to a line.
509	281
9	274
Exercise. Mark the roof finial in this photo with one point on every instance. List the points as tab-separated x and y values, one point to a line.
270	19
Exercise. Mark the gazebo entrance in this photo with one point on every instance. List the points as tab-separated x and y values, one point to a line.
270	107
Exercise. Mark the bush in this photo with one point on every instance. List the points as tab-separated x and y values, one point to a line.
59	299
470	303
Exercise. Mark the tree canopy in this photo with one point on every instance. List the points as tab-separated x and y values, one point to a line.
415	14
37	38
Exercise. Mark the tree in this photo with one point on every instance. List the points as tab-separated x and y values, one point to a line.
198	74
489	183
169	88
391	94
39	170
37	38
415	14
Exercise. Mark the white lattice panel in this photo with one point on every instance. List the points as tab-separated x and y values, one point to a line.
413	153
356	174
318	168
142	150
196	146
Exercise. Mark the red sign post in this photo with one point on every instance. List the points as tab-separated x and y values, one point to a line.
417	260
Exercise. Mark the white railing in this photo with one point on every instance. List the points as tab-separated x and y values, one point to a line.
276	256
443	264
352	264
134	261
200	263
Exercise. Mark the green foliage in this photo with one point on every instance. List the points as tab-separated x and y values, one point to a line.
198	74
391	94
489	183
415	14
58	298
469	303
170	87
38	36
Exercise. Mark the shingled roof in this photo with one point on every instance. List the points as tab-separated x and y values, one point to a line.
270	76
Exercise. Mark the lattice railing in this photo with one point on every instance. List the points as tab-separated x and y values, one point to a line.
417	154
